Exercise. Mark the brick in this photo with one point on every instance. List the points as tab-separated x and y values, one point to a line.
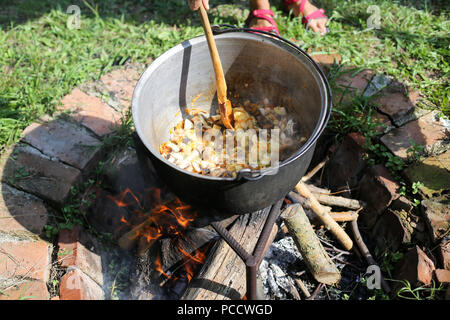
20	212
377	189
384	123
77	249
444	254
27	169
351	84
402	204
395	101
433	173
442	276
437	215
425	131
66	141
120	83
26	290
416	267
377	83
25	259
116	98
75	285
411	218
346	164
91	112
391	231
327	60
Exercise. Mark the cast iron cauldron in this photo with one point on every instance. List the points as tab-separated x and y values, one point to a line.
255	67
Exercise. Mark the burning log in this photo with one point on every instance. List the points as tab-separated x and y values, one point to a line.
337	201
221	276
317	260
325	217
129	239
143	245
173	250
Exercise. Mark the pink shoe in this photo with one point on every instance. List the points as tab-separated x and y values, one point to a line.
318	14
266	15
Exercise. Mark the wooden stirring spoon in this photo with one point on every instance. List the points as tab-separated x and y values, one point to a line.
225	110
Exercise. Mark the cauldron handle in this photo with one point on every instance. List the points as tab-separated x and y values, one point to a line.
254	175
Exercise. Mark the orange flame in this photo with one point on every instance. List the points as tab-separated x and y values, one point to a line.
120	199
166	218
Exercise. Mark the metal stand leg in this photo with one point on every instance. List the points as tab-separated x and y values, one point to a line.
252	262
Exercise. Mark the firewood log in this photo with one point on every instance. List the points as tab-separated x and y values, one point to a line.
344	216
315	189
337	201
306	204
143	245
129	239
317	260
325	217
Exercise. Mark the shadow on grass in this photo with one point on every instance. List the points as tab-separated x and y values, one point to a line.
170	12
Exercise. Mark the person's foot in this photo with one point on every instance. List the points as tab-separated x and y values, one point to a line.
262	19
316	25
258	22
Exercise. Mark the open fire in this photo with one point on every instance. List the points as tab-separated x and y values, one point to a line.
172	246
167	219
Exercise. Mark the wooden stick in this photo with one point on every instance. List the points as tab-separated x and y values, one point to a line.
344	216
325	217
306	203
294	292
317	260
315	189
366	253
315	170
129	239
316	291
302	287
337	201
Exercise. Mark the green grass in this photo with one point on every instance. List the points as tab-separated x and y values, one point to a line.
41	59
